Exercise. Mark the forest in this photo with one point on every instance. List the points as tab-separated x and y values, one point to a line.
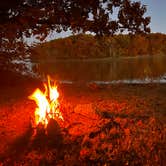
88	46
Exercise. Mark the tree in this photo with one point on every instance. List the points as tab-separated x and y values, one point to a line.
20	18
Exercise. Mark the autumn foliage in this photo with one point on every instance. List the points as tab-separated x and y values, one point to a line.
87	46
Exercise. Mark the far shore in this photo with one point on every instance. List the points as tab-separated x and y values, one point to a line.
59	59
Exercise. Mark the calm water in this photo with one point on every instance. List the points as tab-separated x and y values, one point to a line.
127	70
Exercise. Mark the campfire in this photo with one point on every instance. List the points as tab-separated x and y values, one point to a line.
47	104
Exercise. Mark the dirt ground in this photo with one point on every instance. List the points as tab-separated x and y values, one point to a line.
103	125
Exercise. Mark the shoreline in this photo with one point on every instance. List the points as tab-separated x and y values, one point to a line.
95	59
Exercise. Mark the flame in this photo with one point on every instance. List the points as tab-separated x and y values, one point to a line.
47	104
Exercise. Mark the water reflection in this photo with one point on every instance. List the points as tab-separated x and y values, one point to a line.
107	70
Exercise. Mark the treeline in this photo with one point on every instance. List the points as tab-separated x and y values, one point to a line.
139	45
88	46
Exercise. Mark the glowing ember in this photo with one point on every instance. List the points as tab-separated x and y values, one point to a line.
47	102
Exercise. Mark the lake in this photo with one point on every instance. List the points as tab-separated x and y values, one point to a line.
142	69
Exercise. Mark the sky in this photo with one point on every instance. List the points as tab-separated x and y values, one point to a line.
156	9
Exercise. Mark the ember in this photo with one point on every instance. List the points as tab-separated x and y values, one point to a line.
47	104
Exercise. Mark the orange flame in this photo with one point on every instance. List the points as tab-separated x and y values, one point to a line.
47	102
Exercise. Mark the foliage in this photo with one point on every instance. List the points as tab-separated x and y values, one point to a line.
40	16
87	46
80	46
150	44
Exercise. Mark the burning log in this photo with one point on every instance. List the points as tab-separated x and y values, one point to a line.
54	135
50	136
